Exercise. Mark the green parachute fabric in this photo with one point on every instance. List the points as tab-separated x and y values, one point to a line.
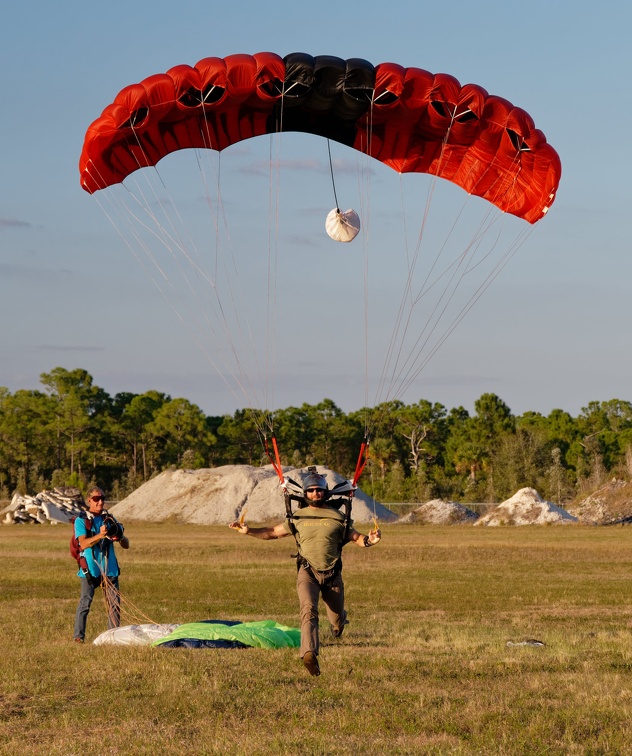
263	634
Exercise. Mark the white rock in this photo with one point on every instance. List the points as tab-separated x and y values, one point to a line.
439	512
219	496
526	507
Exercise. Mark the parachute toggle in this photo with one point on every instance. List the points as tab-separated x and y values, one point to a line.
342	227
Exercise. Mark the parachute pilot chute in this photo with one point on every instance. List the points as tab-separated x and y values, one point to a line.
342	227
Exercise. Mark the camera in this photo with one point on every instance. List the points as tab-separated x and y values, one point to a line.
113	528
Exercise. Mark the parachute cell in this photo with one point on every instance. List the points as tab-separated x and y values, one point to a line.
407	118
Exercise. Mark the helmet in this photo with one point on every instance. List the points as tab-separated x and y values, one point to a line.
314	480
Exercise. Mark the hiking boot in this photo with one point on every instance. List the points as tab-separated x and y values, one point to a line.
310	660
78	640
336	632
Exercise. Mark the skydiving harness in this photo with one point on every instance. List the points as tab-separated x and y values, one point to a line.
75	549
341	494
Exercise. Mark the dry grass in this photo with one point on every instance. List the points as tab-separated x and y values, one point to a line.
423	669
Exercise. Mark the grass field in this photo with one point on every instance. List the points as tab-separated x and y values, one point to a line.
423	668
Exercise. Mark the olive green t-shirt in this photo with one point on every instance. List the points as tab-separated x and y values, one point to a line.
319	534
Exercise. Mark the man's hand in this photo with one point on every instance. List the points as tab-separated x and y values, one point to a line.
375	536
239	526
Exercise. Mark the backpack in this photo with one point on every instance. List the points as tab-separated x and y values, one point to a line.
75	549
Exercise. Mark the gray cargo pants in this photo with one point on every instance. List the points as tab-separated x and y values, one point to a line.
310	584
85	601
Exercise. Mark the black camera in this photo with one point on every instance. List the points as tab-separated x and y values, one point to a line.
113	528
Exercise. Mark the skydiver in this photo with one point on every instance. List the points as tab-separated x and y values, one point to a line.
96	534
319	532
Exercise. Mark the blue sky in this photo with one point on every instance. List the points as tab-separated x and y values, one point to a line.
552	330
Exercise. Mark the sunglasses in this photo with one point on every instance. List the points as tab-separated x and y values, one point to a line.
98	498
315	490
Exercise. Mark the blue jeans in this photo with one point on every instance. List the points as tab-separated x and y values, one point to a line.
85	601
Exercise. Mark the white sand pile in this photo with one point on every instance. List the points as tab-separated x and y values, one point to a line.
526	507
440	512
219	496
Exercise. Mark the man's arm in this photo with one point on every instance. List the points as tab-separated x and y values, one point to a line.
265	534
363	541
85	541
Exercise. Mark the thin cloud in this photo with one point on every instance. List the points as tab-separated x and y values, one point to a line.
301	241
20	272
340	166
263	167
14	223
69	348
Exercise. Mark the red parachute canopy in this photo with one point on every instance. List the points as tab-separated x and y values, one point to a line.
407	118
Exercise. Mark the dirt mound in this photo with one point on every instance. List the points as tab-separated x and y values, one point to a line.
607	505
440	512
526	507
220	495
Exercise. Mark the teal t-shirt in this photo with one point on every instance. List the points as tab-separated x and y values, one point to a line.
319	533
100	558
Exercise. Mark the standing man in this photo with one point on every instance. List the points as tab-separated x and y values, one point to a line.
321	533
96	533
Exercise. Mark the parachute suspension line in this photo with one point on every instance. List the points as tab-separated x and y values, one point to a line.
399	333
365	284
407	295
474	244
331	170
115	605
173	237
403	372
111	601
241	378
176	301
416	364
272	268
363	454
233	280
411	367
364	191
162	274
238	316
467	307
404	224
128	612
436	313
175	246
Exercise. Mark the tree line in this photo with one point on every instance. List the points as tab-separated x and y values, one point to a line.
73	432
